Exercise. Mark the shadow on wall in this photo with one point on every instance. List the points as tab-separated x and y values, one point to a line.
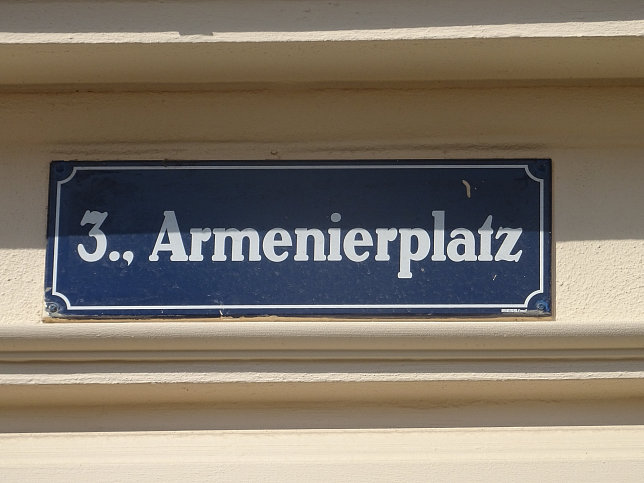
593	199
598	199
207	18
330	416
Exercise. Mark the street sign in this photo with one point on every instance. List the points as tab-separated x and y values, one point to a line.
299	238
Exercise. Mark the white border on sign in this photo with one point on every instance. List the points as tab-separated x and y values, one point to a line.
289	306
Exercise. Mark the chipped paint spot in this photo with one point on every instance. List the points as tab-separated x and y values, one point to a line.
467	188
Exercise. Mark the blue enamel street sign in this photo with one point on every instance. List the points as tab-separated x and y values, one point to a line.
355	238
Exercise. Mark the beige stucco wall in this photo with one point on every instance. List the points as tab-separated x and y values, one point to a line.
592	135
341	400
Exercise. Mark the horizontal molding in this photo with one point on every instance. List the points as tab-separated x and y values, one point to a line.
279	41
23	389
308	19
313	362
325	62
602	453
322	340
68	21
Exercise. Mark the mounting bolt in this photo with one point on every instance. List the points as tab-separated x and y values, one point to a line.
542	306
52	307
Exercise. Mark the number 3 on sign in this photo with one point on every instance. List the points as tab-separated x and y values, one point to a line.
95	218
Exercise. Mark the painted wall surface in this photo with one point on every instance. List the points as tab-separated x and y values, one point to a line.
591	134
344	400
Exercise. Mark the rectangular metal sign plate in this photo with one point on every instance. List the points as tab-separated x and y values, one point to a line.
359	238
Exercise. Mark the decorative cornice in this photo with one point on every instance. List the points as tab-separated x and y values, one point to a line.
328	340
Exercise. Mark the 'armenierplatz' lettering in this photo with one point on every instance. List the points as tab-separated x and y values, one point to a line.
333	245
